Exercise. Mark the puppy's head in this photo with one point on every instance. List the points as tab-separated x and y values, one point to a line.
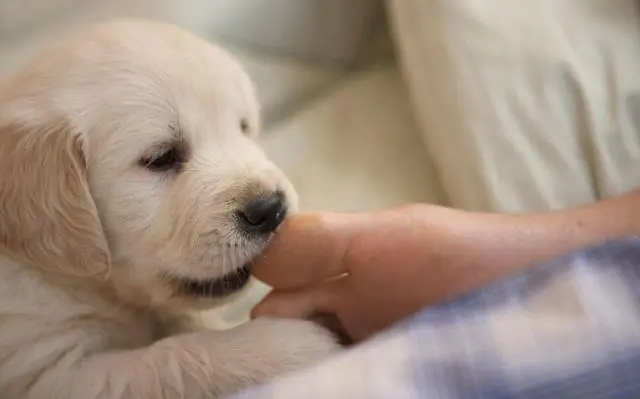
131	153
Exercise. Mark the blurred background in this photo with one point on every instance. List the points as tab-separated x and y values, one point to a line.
492	105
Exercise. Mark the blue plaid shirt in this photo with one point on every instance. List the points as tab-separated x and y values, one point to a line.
568	328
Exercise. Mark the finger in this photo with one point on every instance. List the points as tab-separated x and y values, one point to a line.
323	298
307	248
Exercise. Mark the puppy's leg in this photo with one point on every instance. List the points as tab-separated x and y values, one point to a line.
194	366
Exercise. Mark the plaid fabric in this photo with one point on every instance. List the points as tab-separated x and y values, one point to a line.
568	328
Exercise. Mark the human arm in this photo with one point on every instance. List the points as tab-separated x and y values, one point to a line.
403	259
564	328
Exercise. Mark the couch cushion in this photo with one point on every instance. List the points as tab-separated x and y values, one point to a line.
525	105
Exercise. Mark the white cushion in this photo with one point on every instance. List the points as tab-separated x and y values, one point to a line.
525	105
357	148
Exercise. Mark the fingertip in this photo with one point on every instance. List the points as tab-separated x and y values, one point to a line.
255	312
298	304
258	309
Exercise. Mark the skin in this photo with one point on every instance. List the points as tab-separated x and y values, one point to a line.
369	270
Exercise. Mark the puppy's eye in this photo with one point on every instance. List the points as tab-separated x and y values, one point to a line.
169	159
244	125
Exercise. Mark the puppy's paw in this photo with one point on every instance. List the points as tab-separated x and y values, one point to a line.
305	341
287	345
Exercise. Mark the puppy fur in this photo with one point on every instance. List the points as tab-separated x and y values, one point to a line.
92	239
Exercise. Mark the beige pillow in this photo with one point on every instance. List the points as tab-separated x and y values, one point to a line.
525	105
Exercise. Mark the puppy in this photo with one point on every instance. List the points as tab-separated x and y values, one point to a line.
132	191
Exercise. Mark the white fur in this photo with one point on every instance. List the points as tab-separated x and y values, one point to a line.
87	235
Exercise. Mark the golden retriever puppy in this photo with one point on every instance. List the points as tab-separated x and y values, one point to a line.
132	191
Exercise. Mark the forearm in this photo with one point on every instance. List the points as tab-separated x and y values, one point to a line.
502	244
539	236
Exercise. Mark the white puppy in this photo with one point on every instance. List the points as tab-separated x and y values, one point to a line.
132	190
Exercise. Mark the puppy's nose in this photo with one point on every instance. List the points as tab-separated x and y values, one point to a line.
263	214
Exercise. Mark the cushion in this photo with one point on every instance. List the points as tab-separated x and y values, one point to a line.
525	105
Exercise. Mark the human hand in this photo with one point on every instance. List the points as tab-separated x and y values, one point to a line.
370	270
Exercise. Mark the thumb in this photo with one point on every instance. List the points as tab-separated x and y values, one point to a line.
307	248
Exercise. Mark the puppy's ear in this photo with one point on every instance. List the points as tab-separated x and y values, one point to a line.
47	215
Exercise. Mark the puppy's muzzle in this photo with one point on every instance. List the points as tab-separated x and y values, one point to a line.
257	220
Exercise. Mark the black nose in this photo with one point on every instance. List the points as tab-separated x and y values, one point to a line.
263	214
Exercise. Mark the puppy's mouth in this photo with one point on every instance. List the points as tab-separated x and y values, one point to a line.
214	288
